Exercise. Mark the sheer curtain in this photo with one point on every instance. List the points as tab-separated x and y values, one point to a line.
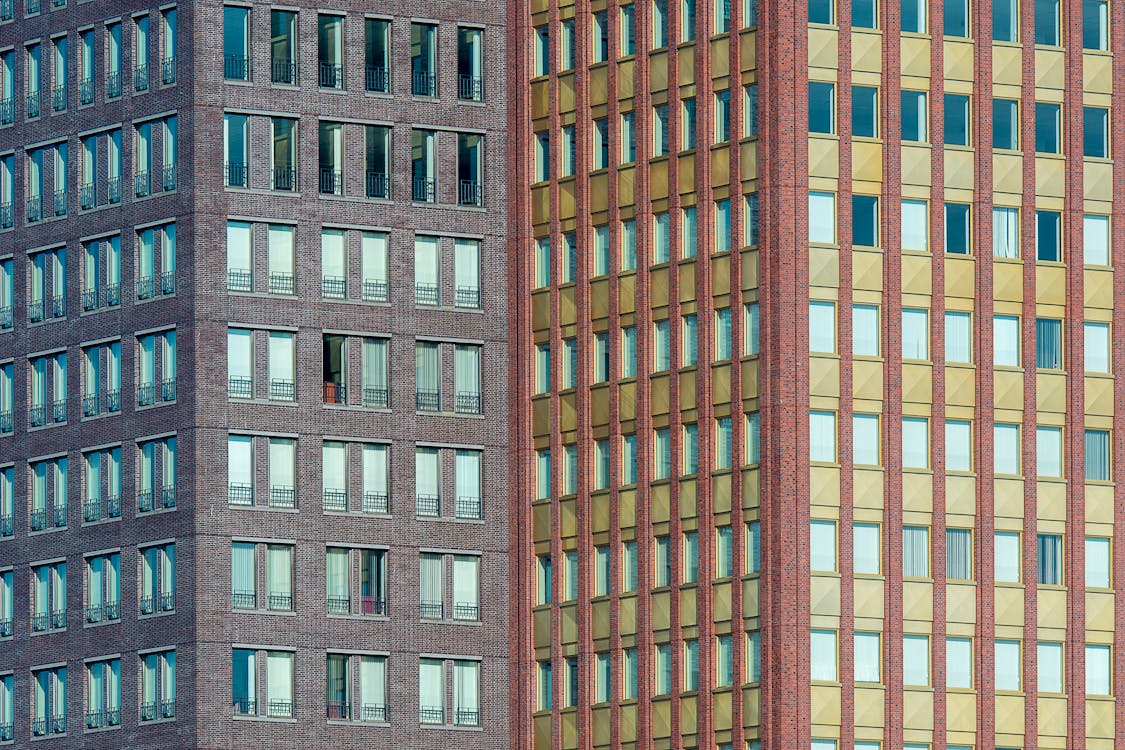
959	554
279	683
374	257
428	364
332	261
113	579
468	472
1050	559
427	262
280	261
334	467
915	551
337	573
1097	455
466	686
430	586
240	461
279	572
466	274
373	681
95	582
431	689
1048	344
375	363
243	574
427	472
1005	233
238	247
375	469
466	369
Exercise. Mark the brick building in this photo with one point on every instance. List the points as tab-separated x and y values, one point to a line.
820	440
253	404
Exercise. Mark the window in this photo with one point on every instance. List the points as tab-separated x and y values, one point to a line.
821	11
103	694
753	438
661	562
1095	132
958	446
662	346
868	657
1099	679
959	662
49	493
822	436
543	579
140	52
1048	126
915	225
957	125
1005	20
1048	451
283	46
1005	232
753	548
1006	341
1006	448
822	107
958	235
722	333
690	557
822	646
566	44
1048	236
1098	456
660	144
822	545
659	18
723	226
47	286
915	334
1047	22
915	552
48	701
913	110
1096	347
822	327
865	220
865	439
662	454
1095	24
914	16
865	330
959	554
1049	561
628	31
156	363
916	660
956	13
542	52
157	588
691	665
865	99
750	110
628	459
101	379
689	345
1006	556
1048	344
687	20
158	685
236	43
602	677
48	597
822	218
1008	667
1095	240
751	329
601	357
544	689
156	483
867	556
753	656
958	337
1005	117
915	443
1098	562
236	147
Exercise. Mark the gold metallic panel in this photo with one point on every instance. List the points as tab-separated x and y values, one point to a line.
1007	281
687	499
824	157
867	270
824	595
918	709
1099	503
542	623
568	412
961	602
1008	389
687	281
1007	497
869	706
868	379
720	383
540	99
658	71
869	597
916	164
1007	172
960	276
1050	68
825	704
720	602
625	79
868	489
543	732
1051	608
599	192
824	376
1097	73
540	416
1007	64
627	400
961	711
824	267
626	293
723	710
628	722
598	85
867	50
959	172
823	48
541	522
1050	392
1009	605
1099	611
750	379
1098	179
689	714
867	161
917	600
960	494
541	310
749	162
660	502
751	487
960	385
661	608
567	518
601	719
540	204
958	60
720	165
687	65
917	383
720	57
750	597
749	41
626	183
1050	502
661	718
915	56
1099	718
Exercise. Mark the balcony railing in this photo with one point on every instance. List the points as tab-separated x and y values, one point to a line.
37	415
39	727
39	622
113	400
34	209
6	628
148	711
424	190
335	500
427	294
374	712
432	715
236	68
333	287
427	505
330	75
168	71
374	605
376	502
244	706
144	501
469	193
168	496
7	108
146	394
281	602
60	203
285	178
114	184
375	291
7	524
467	402
240	280
235	174
95	613
240	387
378	79
58	724
283	709
284	71
378	184
430	610
142	184
331	181
58	99
423	83
7	11
244	599
376	398
168	177
427	400
33	105
339	710
466	296
113	84
335	393
468	507
113	506
7	215
58	619
282	283
167	602
282	390
167	283
91	511
58	306
338	605
6	422
86	91
466	717
464	611
140	78
470	88
87	196
240	494
59	515
168	389
283	497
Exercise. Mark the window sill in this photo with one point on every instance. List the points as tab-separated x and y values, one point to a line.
268	719
102	624
279	612
156	615
360	618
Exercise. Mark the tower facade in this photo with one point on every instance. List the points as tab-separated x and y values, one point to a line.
820	444
253	405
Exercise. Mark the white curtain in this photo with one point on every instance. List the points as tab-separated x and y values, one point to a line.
427	472
373	680
58	272
916	660
915	443
426	261
868	657
332	252
168	462
915	551
1006	556
58	378
334	462
822	436
243	574
374	260
375	362
240	460
95	689
112	571
280	249
428	366
375	469
61	486
168	677
168	245
1007	665
958	446
959	662
466	369
466	687
429	578
238	246
279	678
1005	233
466	261
1096	347
168	569
958	337
168	355
93	476
1050	559
1048	664
867	548
865	439
337	572
915	334
144	148
147	366
468	474
148	678
1048	451
959	554
279	569
282	462
431	684
282	356
95	583
1095	239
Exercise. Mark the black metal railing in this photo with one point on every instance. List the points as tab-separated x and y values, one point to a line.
284	71
240	494
39	727
335	500
39	622
6	628
423	83
375	291
7	108
466	296
467	506
469	193
282	390
430	610
376	502
60	203
113	400
467	402
167	601
7	215
168	496
37	415
87	196
339	710
282	283
167	283
373	606
7	525
283	709
113	506
331	181
58	306
427	400
92	511
334	287
378	79
140	78
7	423
58	99
283	497
281	602
168	71
335	393
142	184
427	294
244	599
148	711
236	68
168	389
374	712
59	515
235	172
113	717
86	91
466	717
95	613
148	605
31	7
168	177
144	501
240	280
146	287
285	178
146	394
376	398
432	715
167	709
58	619
114	185
470	88
33	105
338	605
463	611
113	84
244	706
427	505
34	209
330	75
7	10
378	184
424	190
58	724
112	610
7	317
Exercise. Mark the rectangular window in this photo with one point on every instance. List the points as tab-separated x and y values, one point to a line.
599	28
1048	344
956	14
915	552
958	220
822	647
1048	236
822	436
1049	666
959	554
865	439
915	225
959	663
822	545
1047	22
1005	118
865	99
1095	240
958	446
916	660
914	16
868	657
821	11
822	327
1048	125
1006	556
1099	676
1099	562
1008	667
158	685
822	107
865	220
1098	456
1095	132
1048	451
1095	24
1096	347
1006	341
822	218
1049	561
915	443
1005	232
751	331
865	14
915	334
1005	20
914	103
958	337
865	330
